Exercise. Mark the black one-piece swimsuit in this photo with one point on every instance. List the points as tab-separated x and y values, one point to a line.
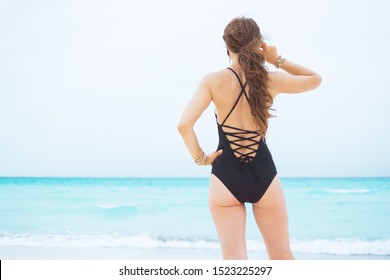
248	175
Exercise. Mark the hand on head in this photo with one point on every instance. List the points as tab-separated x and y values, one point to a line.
270	53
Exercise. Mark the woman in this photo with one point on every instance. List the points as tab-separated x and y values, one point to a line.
242	167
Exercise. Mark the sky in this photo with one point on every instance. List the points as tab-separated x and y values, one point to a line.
96	88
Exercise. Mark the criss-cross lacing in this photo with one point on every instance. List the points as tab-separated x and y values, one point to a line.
236	135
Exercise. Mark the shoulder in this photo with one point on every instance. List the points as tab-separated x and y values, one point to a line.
216	79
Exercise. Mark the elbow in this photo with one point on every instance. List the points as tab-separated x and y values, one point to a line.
183	127
313	82
317	80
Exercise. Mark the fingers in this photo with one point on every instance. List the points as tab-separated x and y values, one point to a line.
216	154
271	49
266	48
262	46
213	156
270	53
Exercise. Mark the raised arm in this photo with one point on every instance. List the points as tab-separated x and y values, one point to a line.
199	102
295	79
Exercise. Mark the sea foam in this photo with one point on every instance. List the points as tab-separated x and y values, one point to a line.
338	246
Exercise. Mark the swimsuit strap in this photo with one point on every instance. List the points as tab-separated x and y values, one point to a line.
239	96
242	85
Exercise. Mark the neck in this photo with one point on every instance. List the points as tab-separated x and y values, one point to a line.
234	60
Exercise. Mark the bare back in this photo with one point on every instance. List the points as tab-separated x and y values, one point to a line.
233	112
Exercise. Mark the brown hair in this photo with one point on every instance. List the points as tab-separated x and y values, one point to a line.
242	35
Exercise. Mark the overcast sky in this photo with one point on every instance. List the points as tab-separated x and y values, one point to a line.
96	88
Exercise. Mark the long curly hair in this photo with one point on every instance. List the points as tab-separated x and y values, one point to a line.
242	36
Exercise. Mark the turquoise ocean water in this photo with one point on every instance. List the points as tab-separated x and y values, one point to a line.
339	216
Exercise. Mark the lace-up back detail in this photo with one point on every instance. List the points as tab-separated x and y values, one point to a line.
244	143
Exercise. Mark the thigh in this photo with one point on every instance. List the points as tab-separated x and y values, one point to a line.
229	217
271	217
